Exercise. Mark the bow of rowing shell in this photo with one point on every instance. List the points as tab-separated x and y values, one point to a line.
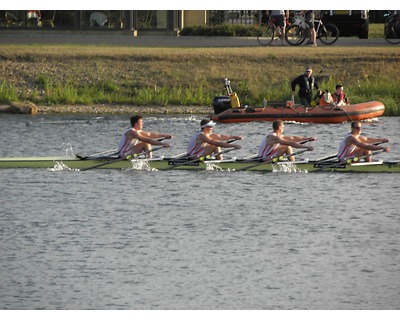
76	163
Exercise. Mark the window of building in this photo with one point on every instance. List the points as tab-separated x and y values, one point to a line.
151	19
97	19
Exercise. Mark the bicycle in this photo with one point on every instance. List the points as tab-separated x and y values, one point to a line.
391	31
270	34
298	31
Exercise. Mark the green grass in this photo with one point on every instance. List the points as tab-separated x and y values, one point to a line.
8	93
376	30
68	75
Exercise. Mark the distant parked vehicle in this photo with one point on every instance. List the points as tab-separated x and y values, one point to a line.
349	22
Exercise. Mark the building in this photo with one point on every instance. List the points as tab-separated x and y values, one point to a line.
157	22
165	22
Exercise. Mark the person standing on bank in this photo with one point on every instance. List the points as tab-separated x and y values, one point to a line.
275	144
278	18
205	142
135	140
306	83
309	17
356	145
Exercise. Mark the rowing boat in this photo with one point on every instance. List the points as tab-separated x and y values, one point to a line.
164	163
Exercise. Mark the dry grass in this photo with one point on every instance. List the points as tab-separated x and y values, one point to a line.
192	76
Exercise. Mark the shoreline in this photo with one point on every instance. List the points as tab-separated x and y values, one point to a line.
119	109
129	79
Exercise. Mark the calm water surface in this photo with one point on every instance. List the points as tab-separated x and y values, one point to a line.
108	239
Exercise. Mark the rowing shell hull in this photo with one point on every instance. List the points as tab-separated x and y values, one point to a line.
319	114
171	164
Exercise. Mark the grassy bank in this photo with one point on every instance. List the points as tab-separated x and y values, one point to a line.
57	75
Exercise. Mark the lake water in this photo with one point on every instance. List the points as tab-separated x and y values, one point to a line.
110	239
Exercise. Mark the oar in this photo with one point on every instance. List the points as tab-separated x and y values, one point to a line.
347	161
183	155
219	153
251	157
137	155
331	156
356	159
254	156
273	160
114	152
200	159
111	152
128	157
334	155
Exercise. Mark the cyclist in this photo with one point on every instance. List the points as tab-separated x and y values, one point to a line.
278	18
309	19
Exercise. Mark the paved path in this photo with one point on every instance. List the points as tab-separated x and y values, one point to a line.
84	38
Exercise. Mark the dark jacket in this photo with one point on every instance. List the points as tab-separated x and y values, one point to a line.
305	84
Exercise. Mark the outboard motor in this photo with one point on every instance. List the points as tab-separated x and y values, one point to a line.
221	104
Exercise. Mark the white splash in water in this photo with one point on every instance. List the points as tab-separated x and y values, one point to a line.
141	164
212	167
59	166
287	168
69	150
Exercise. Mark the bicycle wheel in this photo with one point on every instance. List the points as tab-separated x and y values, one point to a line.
390	34
294	35
328	34
267	36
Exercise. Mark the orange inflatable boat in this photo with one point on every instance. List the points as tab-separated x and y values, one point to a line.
286	111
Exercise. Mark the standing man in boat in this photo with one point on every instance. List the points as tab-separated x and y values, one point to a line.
356	145
135	140
275	144
306	83
205	142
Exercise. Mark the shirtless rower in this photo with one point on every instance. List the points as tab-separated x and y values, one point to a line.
275	144
205	142
135	140
355	145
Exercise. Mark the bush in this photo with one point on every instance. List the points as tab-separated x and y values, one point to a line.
225	30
